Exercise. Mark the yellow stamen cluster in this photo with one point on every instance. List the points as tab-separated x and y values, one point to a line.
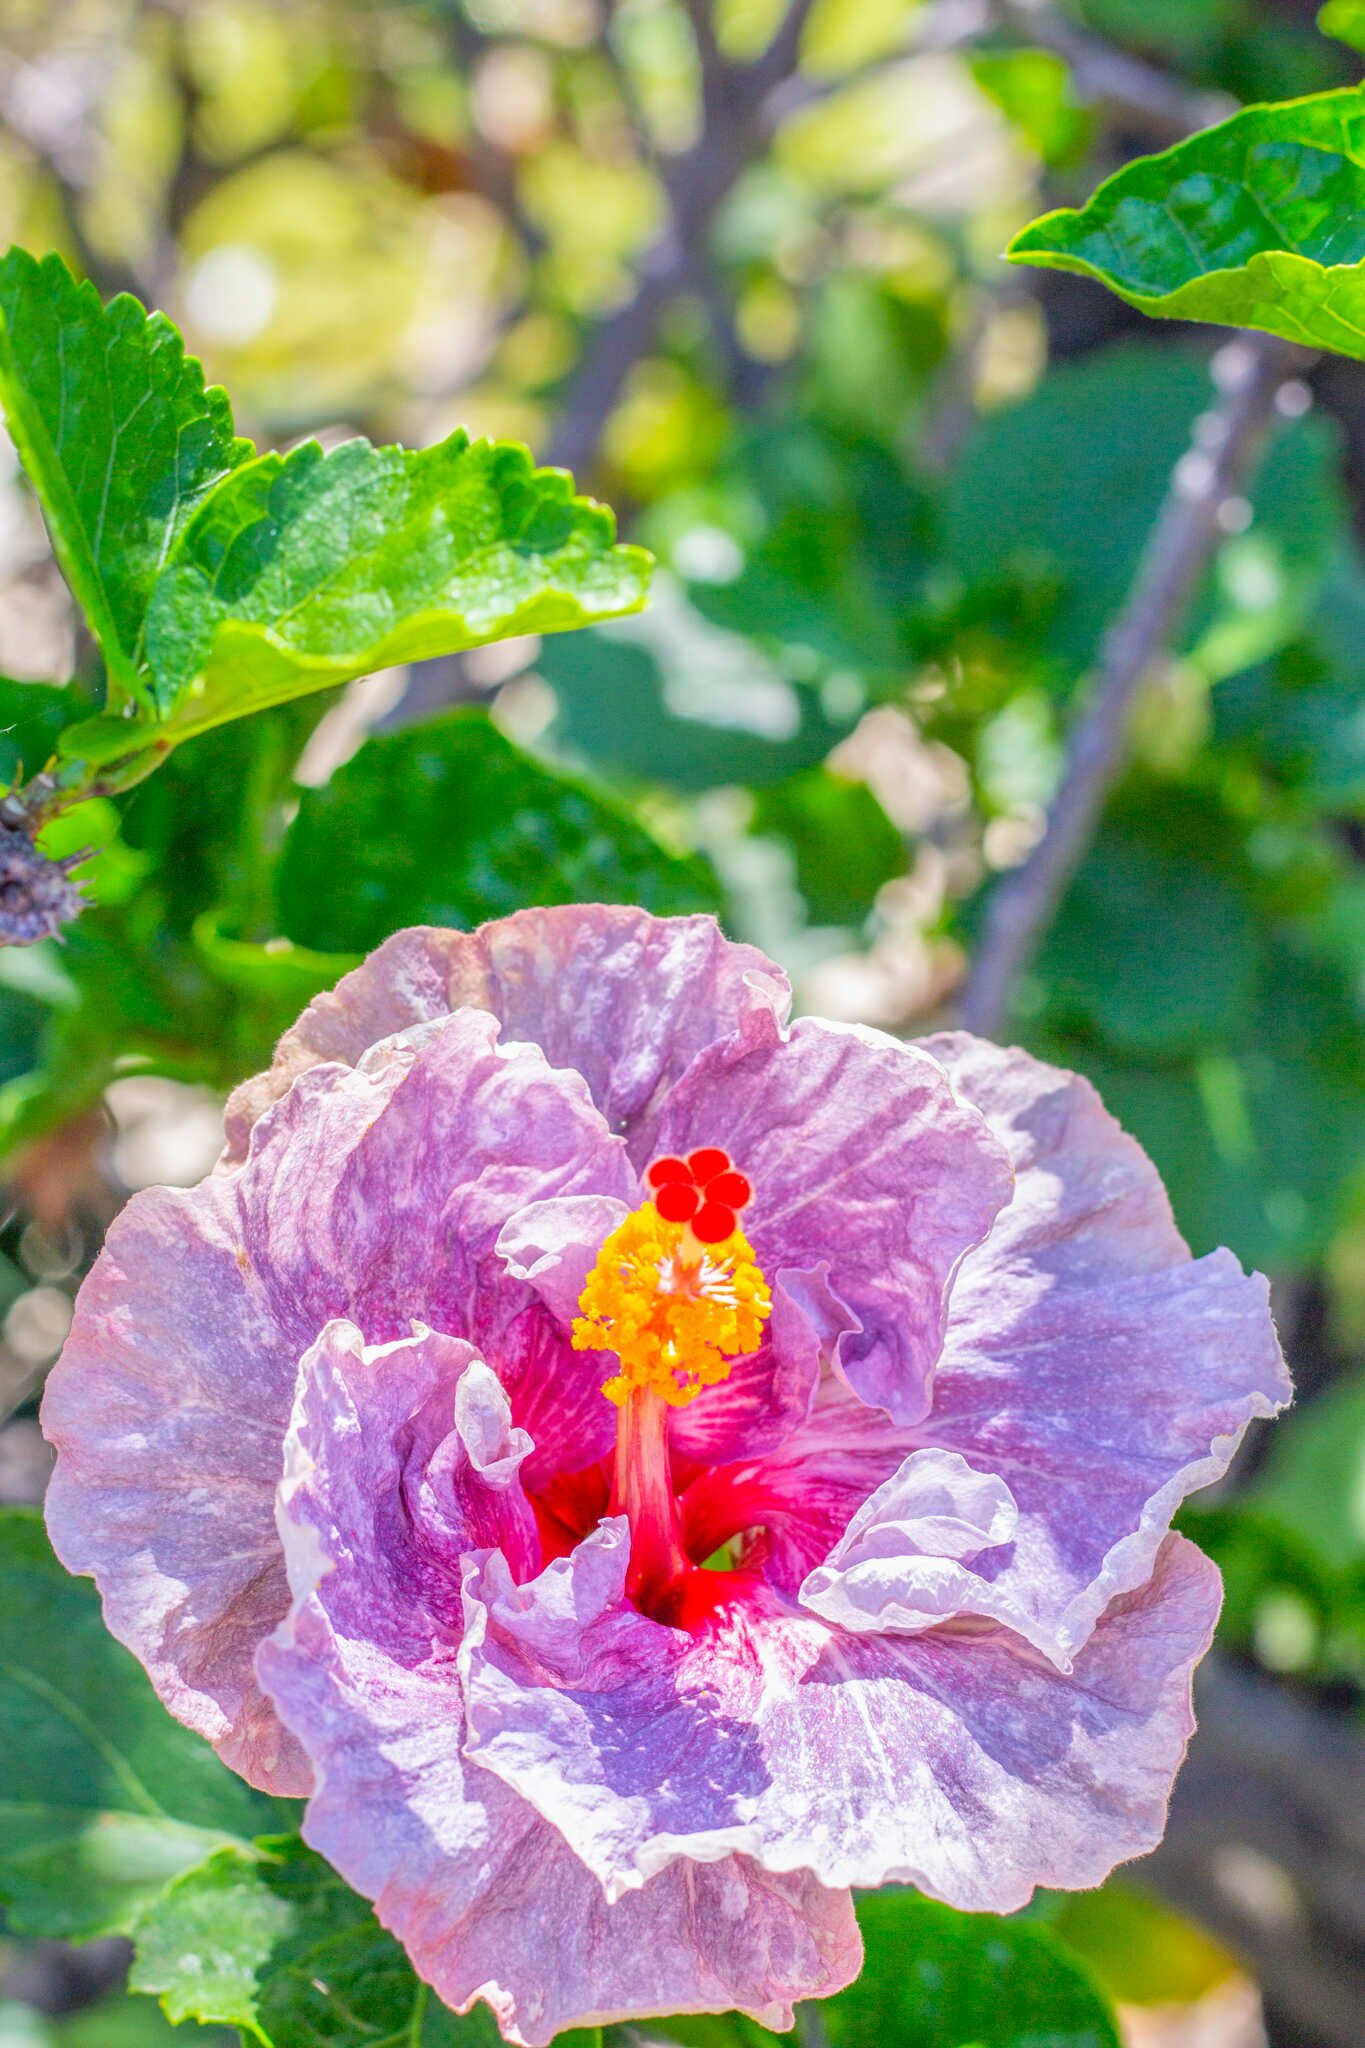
677	1316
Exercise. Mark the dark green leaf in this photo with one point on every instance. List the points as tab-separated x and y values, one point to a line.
616	709
449	823
106	1797
939	1979
1155	947
119	437
834	572
1257	1141
1258	222
844	845
1314	1475
1180	29
272	1941
1301	719
1054	498
31	717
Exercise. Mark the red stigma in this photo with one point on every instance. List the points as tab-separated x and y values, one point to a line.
704	1191
677	1201
666	1169
707	1163
713	1223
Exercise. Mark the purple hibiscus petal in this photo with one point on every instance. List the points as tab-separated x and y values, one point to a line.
554	1246
623	998
766	1397
866	1167
803	1494
490	1901
406	1453
958	1760
1089	1361
374	1192
901	1563
167	1409
396	1214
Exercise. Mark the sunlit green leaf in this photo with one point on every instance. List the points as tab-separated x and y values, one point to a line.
272	1941
1034	90
1258	222
119	437
307	569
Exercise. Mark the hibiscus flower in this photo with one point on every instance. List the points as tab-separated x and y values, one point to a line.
641	1469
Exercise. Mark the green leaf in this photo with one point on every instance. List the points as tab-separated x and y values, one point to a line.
1047	513
106	1797
308	569
32	715
1035	91
939	1979
620	708
1258	222
277	973
935	1978
1183	30
119	437
844	845
119	2021
1141	1950
1344	19
1257	1141
1160	899
272	1941
449	823
1285	1601
1314	1475
220	583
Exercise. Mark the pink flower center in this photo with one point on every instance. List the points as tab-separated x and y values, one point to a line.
677	1296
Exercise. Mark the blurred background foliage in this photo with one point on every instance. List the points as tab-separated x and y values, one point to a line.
741	267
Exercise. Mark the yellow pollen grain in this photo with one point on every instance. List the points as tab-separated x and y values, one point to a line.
676	1326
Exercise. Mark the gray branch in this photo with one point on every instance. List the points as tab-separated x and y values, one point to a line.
1249	372
739	111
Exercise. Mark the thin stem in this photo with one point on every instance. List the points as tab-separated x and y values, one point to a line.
1179	549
